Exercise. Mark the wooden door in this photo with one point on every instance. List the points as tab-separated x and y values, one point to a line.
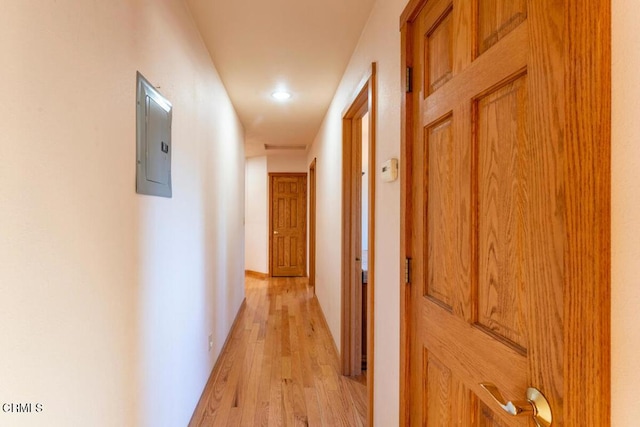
312	224
501	215
288	246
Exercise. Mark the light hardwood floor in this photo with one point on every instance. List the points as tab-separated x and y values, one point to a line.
280	366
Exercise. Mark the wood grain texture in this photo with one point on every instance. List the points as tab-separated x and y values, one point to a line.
437	393
472	354
416	218
442	207
488	418
355	284
256	274
439	53
406	154
482	75
587	294
554	224
538	89
502	143
312	223
206	409
496	18
348	265
371	249
548	199
287	237
287	375
448	401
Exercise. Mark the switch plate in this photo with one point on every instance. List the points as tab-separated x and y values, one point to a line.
210	341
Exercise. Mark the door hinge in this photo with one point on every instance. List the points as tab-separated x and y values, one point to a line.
409	80
407	270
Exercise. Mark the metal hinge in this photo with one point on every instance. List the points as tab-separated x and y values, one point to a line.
407	270
409	80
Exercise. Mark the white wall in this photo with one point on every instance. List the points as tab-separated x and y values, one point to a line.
287	162
257	213
380	42
108	297
257	203
625	228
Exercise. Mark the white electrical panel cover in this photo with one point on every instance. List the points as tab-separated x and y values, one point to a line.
153	152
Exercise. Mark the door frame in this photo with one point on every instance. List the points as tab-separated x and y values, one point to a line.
587	178
312	224
272	175
364	100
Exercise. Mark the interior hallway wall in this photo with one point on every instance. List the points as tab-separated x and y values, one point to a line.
287	162
379	42
257	203
257	214
625	268
108	297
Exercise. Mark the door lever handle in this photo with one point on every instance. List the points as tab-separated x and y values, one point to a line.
536	404
275	232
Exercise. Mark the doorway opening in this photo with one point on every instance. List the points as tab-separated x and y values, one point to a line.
358	223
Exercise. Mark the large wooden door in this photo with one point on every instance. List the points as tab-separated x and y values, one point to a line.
288	245
496	223
312	224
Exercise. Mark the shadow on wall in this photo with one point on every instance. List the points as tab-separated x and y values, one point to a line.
191	247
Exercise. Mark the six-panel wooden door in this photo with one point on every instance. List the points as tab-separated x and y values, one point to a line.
288	195
487	224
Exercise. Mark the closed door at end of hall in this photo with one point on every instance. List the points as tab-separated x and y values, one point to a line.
288	225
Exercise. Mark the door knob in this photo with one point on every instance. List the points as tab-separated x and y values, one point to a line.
535	406
275	232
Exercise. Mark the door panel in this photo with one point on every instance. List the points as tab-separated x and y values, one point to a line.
496	19
288	224
505	210
438	53
488	418
484	197
438	392
501	140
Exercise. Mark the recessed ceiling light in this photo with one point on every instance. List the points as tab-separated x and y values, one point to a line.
281	95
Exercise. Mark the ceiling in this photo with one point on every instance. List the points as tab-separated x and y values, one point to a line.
260	46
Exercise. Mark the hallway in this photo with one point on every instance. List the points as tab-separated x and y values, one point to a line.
279	366
118	307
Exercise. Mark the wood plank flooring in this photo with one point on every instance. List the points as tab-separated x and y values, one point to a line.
280	366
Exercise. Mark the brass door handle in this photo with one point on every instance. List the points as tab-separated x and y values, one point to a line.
275	232
535	406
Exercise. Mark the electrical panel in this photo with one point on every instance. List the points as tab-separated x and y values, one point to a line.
153	152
